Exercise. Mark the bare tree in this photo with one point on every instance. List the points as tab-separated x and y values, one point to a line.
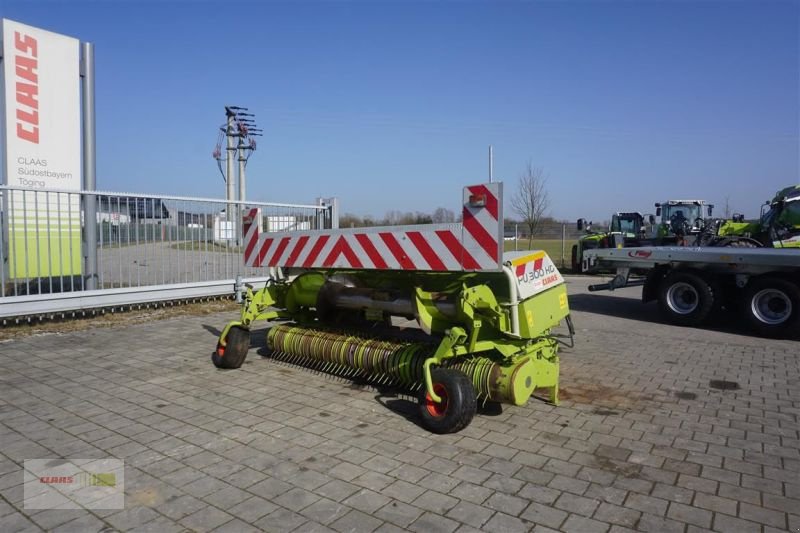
443	215
531	201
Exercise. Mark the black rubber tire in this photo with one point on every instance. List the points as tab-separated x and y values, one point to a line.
235	350
576	268
459	406
685	299
771	306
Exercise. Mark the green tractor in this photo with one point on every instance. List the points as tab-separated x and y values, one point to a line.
777	227
680	220
626	229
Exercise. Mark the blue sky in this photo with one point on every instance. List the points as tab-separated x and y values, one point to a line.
392	105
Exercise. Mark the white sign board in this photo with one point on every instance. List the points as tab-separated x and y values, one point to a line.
41	149
535	272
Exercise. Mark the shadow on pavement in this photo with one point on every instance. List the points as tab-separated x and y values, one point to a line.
725	321
211	329
618	306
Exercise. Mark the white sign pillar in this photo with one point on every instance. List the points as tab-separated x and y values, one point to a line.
40	140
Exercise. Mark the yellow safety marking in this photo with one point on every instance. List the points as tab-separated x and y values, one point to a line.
529	315
562	301
527	259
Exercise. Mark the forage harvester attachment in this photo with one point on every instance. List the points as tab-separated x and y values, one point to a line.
485	318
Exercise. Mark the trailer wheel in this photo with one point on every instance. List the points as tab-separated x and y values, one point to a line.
576	268
772	306
458	405
685	299
233	354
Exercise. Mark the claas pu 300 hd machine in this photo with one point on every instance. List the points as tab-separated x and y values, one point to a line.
485	318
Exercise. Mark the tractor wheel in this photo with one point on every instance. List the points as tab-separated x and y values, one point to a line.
685	299
458	404
576	267
772	306
233	354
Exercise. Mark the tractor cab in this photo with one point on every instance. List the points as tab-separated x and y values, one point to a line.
682	217
780	219
630	225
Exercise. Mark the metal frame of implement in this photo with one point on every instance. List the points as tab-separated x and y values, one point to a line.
490	312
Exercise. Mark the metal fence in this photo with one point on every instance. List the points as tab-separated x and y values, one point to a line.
149	247
556	238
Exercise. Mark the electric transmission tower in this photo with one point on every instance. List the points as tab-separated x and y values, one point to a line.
239	132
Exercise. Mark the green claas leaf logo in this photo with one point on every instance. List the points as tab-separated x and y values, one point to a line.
86	479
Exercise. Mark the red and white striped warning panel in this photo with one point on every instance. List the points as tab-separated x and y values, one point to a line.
473	245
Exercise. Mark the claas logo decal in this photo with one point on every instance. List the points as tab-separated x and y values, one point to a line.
27	87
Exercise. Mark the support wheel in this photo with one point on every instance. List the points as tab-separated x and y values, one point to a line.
458	404
685	299
772	306
233	354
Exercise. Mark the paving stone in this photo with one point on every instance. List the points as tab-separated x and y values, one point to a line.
403	491
281	520
398	513
505	503
84	524
132	517
614	514
539	494
726	524
435	502
325	511
762	515
659	524
569	484
715	503
367	501
581	524
740	494
206	519
270	488
179	506
296	499
236	526
471	492
504	483
576	504
433	523
544	514
504	523
647	504
252	509
690	515
673	493
337	490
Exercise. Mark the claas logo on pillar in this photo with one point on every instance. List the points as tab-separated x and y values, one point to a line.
27	87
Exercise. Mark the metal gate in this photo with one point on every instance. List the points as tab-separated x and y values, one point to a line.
149	247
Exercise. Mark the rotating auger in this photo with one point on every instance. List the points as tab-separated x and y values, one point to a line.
484	318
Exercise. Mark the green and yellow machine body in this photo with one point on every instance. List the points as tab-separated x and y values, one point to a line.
484	323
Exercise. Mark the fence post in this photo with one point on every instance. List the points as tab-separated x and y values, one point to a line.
516	236
89	162
563	242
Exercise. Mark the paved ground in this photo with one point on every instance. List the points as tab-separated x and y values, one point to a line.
642	440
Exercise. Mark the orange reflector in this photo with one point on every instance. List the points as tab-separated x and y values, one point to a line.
477	200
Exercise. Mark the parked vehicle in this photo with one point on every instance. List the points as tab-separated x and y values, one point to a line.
627	228
691	285
777	227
